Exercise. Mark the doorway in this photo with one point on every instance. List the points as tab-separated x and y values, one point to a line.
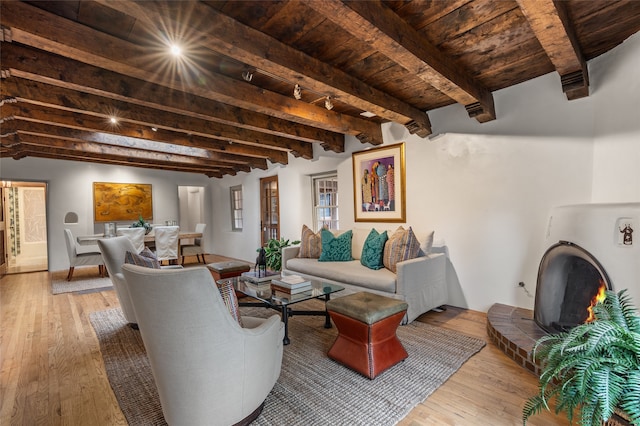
269	209
24	226
191	205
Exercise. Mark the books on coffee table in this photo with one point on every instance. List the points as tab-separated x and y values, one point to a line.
291	282
276	288
259	277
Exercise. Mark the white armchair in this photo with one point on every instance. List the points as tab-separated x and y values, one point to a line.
113	252
207	368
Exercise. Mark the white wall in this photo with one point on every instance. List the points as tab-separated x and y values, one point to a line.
486	189
616	76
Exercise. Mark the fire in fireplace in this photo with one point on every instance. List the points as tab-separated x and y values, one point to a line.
570	279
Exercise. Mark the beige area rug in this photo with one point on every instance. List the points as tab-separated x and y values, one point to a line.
312	389
83	285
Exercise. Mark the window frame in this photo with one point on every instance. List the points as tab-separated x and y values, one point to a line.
237	217
316	195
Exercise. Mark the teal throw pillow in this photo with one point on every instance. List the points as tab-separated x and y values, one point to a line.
335	249
373	250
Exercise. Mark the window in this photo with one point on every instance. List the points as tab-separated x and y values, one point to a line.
236	208
325	201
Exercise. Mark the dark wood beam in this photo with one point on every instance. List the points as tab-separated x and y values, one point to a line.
37	65
225	35
35	93
129	146
553	29
385	31
22	150
73	40
131	154
51	116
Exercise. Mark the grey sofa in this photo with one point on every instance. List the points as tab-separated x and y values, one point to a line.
420	282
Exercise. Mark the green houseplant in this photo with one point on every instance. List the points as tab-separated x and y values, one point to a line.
273	252
141	223
593	369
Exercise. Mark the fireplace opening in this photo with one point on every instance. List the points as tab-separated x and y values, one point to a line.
569	279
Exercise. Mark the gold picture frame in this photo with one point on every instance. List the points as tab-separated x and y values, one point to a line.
379	184
115	202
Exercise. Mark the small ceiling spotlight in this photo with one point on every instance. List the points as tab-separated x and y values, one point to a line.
247	75
297	92
155	129
113	120
175	50
328	104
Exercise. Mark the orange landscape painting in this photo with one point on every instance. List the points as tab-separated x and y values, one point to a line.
113	202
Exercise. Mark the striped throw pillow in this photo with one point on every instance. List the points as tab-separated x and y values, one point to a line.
230	299
402	245
310	243
136	259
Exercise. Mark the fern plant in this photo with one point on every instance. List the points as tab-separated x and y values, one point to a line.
594	368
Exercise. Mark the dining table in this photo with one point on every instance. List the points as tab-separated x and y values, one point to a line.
88	240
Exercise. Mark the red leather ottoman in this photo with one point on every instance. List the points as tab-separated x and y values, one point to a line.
367	324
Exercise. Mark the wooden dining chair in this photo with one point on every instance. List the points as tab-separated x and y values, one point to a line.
196	248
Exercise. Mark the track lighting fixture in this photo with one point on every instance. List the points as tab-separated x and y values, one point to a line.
247	75
328	104
297	92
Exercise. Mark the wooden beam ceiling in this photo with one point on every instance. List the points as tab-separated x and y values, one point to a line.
68	67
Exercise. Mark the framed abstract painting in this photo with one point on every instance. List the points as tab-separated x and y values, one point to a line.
379	184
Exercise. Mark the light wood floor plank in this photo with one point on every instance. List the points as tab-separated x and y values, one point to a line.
53	373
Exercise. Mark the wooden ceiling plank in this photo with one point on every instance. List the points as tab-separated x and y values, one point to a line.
227	36
52	116
550	23
101	143
23	150
38	65
70	39
36	93
132	153
388	33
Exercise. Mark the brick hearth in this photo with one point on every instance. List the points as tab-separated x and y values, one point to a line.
515	332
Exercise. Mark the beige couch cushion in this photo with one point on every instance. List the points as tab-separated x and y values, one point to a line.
352	272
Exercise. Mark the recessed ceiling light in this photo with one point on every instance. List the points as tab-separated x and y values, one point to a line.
155	129
175	50
367	114
113	120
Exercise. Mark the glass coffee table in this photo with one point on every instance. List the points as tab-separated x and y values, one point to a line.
266	298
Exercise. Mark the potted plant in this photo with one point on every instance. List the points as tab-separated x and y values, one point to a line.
273	252
593	370
141	223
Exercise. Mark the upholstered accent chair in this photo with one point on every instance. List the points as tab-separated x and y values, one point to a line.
113	252
196	248
136	235
167	242
208	369
81	258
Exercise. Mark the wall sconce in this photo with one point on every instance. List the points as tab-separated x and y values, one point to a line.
297	92
247	75
328	104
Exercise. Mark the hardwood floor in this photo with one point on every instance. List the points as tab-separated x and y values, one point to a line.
52	371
